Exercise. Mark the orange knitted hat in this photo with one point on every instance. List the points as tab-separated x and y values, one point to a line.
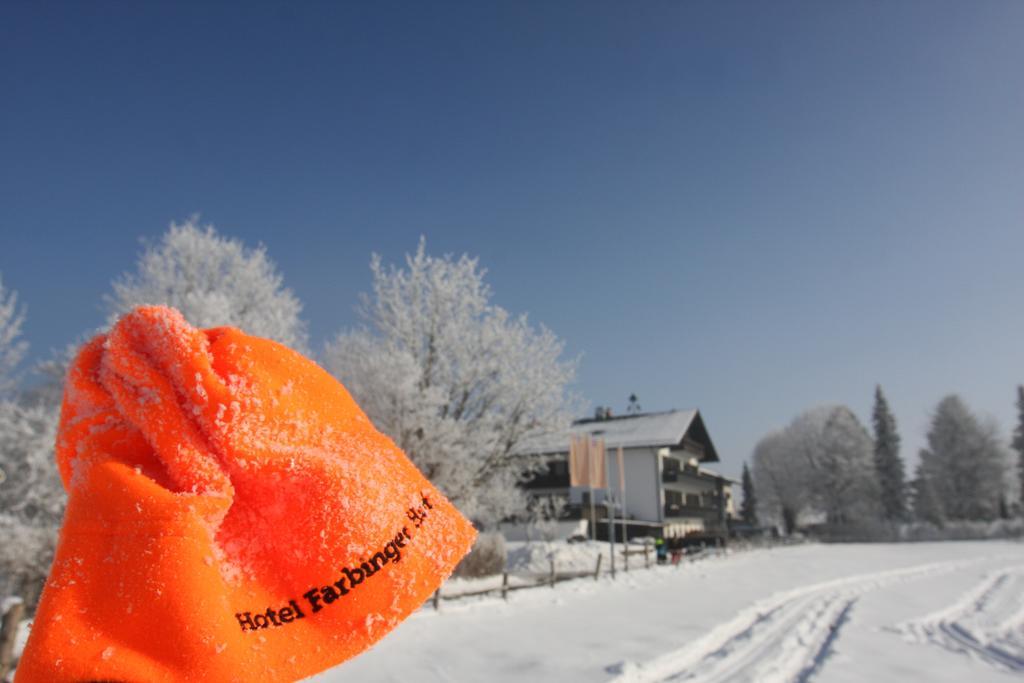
232	515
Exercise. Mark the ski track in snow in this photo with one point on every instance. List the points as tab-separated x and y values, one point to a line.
986	623
783	639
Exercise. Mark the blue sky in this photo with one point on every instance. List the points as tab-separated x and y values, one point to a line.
747	207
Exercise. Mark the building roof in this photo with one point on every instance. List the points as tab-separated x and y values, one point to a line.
650	430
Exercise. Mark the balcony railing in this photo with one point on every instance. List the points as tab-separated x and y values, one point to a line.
684	510
673	474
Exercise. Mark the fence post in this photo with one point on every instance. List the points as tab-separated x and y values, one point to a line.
552	572
8	631
597	569
504	586
625	556
437	599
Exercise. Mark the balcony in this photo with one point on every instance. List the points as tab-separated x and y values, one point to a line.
707	505
684	510
674	472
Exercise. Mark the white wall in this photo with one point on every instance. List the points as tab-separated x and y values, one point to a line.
643	497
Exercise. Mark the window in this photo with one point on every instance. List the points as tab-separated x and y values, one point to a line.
669	469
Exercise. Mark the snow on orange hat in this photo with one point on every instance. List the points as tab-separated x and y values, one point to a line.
232	515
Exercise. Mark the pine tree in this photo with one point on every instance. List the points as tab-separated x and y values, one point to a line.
1018	441
749	509
888	464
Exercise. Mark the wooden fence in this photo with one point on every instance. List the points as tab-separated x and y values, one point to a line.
553	576
8	632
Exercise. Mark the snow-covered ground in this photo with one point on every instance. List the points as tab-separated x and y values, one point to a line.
949	611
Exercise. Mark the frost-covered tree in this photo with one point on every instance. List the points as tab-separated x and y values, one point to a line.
1018	444
837	451
820	463
48	387
926	504
12	346
888	464
213	281
964	462
456	381
748	511
780	479
31	494
31	488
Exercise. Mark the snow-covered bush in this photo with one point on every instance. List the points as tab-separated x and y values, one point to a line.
878	531
962	530
488	557
544	512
